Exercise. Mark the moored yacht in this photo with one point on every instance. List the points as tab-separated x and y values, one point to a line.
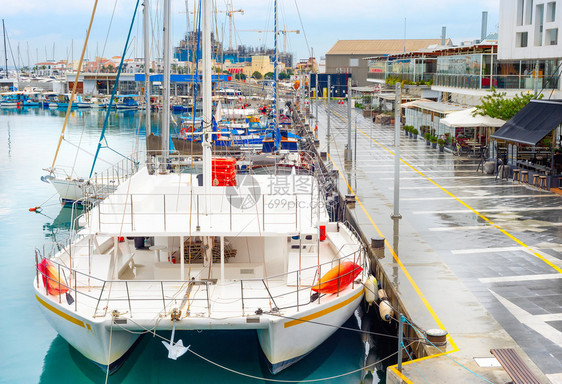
187	245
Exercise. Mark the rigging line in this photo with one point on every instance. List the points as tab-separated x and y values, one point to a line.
269	379
197	67
303	31
445	353
88	152
415	365
109	351
342	327
72	97
114	88
105	41
290	381
13	60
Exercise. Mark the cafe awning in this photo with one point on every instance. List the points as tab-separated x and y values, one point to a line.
466	120
532	123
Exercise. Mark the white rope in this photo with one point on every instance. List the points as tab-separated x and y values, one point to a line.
109	351
275	380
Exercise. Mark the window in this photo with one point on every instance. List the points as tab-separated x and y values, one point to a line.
539	25
551	36
353	62
529	12
522	39
551	12
520	10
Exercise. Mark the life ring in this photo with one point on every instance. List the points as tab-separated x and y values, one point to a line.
190	128
183	131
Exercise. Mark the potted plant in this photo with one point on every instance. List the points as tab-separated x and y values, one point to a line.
415	133
441	143
433	141
426	136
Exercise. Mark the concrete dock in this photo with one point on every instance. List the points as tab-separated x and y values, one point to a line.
476	256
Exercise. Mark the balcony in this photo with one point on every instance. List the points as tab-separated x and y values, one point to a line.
485	82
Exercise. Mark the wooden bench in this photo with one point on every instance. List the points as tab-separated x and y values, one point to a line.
515	367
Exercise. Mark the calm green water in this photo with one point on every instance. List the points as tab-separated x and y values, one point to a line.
31	351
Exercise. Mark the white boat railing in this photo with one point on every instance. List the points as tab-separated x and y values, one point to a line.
159	212
104	296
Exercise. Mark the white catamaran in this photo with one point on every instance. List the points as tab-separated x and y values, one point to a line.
172	251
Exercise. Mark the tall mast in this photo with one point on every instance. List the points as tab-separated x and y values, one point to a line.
5	51
275	73
206	95
147	65
166	84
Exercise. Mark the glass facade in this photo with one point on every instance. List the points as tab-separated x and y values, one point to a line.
482	71
412	69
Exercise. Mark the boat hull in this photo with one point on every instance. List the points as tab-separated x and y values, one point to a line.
91	338
288	340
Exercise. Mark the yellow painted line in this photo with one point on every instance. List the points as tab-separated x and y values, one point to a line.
61	313
403	268
322	312
398	261
400	375
486	219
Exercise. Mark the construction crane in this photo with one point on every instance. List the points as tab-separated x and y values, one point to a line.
283	31
229	13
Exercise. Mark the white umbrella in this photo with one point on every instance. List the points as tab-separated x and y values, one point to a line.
465	119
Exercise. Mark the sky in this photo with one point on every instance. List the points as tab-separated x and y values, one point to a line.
40	27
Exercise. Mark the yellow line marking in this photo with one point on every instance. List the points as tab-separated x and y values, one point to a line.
323	312
403	268
486	219
61	313
397	259
399	374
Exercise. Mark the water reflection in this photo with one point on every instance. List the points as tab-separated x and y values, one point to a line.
239	351
57	230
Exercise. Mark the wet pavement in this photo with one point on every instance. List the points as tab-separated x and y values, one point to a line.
478	256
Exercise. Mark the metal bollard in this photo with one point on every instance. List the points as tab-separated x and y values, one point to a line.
377	243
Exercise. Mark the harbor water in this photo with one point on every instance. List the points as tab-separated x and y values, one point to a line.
32	351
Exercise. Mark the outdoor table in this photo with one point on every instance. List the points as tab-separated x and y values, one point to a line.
157	249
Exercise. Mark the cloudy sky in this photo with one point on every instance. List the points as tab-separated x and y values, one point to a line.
39	27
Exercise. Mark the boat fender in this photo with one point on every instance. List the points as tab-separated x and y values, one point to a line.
385	309
35	209
370	290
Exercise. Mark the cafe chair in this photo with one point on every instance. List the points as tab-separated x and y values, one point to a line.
524	177
542	182
515	175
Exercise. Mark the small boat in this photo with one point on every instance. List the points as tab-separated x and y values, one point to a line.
12	100
126	102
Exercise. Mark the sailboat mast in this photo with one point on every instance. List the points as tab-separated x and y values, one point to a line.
206	95
147	65
275	72
166	84
5	51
